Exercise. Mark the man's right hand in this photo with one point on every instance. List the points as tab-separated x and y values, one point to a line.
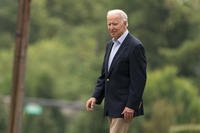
90	104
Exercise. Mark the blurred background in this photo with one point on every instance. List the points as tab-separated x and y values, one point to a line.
65	53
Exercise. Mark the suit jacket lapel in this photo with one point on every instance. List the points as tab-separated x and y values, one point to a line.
108	55
117	55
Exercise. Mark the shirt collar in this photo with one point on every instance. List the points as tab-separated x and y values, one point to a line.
121	38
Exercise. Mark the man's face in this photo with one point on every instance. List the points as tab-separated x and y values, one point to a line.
116	25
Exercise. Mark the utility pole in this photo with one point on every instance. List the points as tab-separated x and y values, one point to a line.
22	37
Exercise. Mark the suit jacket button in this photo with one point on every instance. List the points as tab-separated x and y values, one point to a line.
107	79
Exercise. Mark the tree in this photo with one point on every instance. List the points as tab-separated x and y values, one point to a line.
169	96
3	117
89	122
8	8
51	120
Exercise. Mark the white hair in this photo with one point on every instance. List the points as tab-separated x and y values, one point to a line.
120	12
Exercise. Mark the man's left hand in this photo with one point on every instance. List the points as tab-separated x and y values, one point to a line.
128	113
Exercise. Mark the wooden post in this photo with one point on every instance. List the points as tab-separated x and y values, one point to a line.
22	37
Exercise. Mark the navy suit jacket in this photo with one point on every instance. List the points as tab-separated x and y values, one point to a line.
123	85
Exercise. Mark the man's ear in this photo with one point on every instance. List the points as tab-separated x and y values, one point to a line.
126	23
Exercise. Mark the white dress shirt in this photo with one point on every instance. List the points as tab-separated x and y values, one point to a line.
116	46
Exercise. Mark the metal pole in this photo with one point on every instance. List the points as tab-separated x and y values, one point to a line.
22	35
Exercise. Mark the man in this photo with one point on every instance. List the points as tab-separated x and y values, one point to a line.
123	75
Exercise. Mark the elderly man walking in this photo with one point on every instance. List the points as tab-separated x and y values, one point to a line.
122	80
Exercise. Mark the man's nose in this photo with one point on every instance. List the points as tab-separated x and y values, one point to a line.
111	27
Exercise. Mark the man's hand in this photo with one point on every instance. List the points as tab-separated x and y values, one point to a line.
128	113
90	104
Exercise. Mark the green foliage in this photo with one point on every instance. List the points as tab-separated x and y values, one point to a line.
70	67
45	84
180	56
3	117
170	99
8	8
89	122
162	116
5	71
50	117
47	122
67	42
